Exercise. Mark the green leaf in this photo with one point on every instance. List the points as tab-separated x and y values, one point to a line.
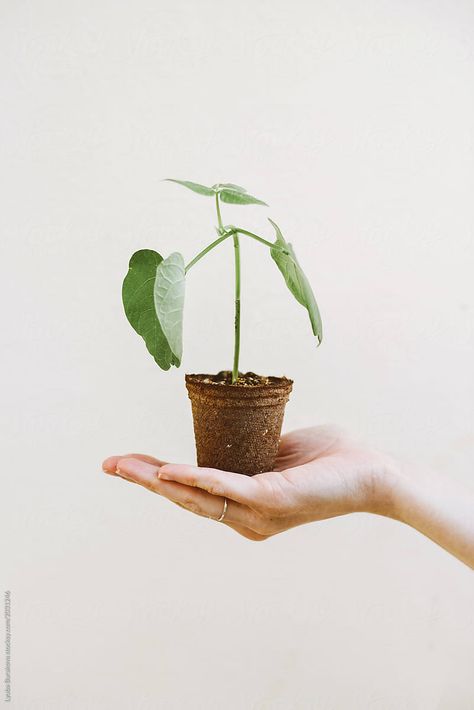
194	186
169	301
138	300
296	280
234	197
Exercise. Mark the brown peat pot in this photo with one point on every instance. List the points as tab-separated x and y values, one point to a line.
237	426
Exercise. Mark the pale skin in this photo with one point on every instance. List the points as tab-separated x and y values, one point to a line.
320	473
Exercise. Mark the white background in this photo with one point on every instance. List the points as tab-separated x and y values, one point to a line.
353	120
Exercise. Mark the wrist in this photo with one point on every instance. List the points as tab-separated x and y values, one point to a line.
388	491
399	494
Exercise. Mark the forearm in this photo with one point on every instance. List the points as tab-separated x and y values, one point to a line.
438	507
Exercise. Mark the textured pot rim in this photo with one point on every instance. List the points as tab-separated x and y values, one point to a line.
283	383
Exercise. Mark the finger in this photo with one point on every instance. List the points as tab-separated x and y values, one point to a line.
205	504
110	463
240	529
243	489
137	471
192	498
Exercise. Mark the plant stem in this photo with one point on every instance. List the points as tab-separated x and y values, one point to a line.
234	232
207	249
230	233
259	239
219	218
235	368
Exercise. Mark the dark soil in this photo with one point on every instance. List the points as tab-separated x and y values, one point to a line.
247	379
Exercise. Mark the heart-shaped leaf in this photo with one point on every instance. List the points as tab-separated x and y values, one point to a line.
169	301
195	187
234	197
139	303
296	280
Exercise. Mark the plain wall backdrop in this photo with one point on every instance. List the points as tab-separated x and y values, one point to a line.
354	121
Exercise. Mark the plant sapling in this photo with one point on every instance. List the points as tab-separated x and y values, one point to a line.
247	410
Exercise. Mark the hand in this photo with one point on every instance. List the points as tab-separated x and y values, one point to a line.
319	473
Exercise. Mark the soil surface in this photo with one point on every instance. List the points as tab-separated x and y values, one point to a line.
247	379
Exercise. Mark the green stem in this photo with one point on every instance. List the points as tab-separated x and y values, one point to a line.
235	368
234	232
229	233
207	249
219	218
259	239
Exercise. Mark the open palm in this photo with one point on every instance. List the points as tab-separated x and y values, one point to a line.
320	473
